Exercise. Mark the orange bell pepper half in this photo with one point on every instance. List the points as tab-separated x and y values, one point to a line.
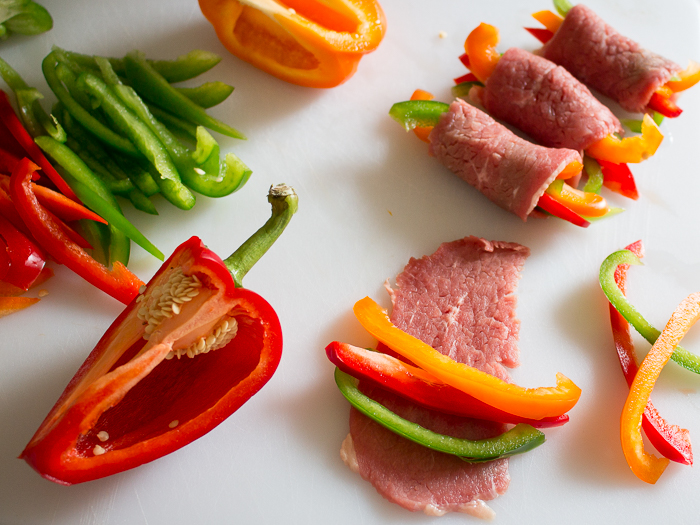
630	149
648	467
422	133
687	78
480	46
533	403
314	43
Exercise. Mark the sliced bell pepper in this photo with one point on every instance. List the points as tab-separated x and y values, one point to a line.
630	149
586	204
9	290
422	132
550	20
648	467
420	387
671	441
661	102
686	78
563	6
595	175
480	46
418	113
26	259
680	355
533	403
10	305
570	170
181	358
314	44
556	208
118	282
519	439
619	178
544	35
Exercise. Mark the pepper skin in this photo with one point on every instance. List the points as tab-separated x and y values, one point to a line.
305	42
181	358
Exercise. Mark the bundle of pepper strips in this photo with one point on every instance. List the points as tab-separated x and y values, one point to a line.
106	141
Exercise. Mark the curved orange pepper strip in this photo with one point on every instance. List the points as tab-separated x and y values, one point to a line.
533	403
587	204
422	133
648	467
548	19
314	44
10	305
688	78
572	169
630	149
481	48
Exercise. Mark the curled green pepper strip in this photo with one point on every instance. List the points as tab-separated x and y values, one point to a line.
607	282
418	113
80	114
153	86
519	439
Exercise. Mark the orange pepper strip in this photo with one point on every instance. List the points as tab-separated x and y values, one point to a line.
630	149
688	78
422	133
534	403
315	43
481	48
587	204
571	170
648	467
548	19
10	305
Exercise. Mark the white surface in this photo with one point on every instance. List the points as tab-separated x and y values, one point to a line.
370	198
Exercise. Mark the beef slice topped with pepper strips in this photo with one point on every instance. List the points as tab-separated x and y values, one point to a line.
460	300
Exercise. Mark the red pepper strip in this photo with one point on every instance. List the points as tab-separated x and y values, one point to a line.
619	178
648	467
671	441
661	102
8	290
10	305
5	262
7	210
8	161
26	258
551	205
9	143
61	206
464	59
469	77
421	387
118	282
13	124
541	34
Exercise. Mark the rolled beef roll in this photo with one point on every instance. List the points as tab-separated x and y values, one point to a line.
509	170
611	63
546	102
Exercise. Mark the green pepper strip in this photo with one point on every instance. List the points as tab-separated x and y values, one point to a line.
143	138
79	113
519	439
201	170
93	193
36	120
209	94
607	282
182	68
462	89
562	6
98	236
418	113
175	124
153	86
29	18
595	175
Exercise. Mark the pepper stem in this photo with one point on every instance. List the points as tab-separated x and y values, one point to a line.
284	203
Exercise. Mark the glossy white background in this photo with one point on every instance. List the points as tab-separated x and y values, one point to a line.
370	198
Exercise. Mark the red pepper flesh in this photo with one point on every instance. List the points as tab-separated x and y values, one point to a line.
544	35
670	441
420	387
131	402
551	205
619	178
26	258
662	103
469	77
118	282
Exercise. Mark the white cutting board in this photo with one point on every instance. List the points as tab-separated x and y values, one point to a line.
370	198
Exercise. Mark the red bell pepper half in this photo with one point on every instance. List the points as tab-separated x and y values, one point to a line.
671	441
420	387
118	282
181	358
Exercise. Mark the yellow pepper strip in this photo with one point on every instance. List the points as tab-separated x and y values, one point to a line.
534	403
648	467
480	46
550	20
688	78
630	149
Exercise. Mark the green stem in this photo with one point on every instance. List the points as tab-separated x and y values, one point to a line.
284	203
